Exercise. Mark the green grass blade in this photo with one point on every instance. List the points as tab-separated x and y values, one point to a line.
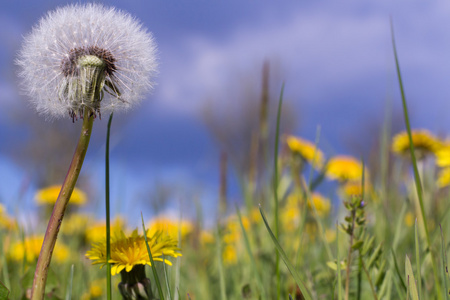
414	163
397	270
155	274
444	265
70	285
339	275
275	189
4	292
412	288
223	294
302	287
252	257
4	270
169	292
108	213
419	265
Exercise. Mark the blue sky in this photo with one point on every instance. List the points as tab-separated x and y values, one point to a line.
334	57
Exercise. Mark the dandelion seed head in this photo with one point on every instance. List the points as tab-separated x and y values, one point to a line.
87	57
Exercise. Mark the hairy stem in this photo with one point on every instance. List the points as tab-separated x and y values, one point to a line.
45	256
347	281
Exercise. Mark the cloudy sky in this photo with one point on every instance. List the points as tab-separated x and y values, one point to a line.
335	59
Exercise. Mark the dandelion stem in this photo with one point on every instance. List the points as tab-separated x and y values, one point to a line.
45	256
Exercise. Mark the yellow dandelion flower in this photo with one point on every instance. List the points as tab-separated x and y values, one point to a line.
76	224
409	219
322	204
255	216
354	187
443	156
31	248
330	235
6	222
170	227
95	290
444	177
129	251
307	150
233	229
206	237
97	232
229	255
50	194
343	168
424	142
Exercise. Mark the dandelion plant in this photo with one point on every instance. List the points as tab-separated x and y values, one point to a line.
81	61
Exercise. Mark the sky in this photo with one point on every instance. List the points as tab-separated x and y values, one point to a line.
335	59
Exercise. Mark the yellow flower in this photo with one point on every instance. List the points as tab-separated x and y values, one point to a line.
444	177
322	204
307	150
6	222
354	187
97	232
330	235
409	219
344	168
95	290
234	230
75	224
31	248
424	143
129	251
50	194
255	215
443	156
206	237
170	227
229	255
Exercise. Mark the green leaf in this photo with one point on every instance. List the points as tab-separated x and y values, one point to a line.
4	292
357	245
301	286
412	288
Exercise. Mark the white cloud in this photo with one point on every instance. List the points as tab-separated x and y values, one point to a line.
320	49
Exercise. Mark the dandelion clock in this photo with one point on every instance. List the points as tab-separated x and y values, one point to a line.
86	57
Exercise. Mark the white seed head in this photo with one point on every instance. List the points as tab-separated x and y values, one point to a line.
86	57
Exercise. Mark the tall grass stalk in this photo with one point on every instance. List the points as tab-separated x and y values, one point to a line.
275	189
108	213
414	163
51	234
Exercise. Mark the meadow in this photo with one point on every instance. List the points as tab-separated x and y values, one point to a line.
379	231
